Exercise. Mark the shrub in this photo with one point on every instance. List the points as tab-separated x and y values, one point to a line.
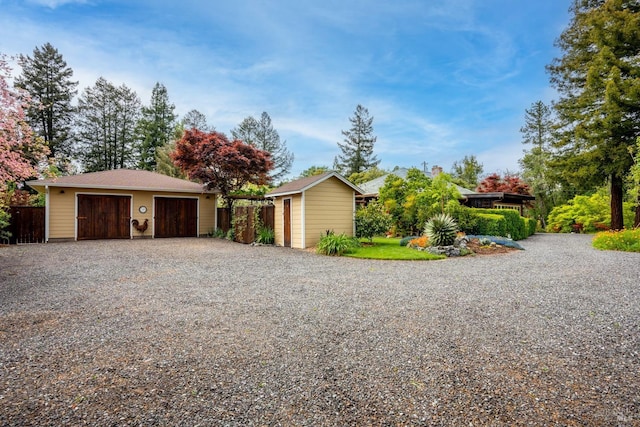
531	225
466	218
265	235
441	230
371	221
420	242
231	234
336	244
5	218
586	214
217	233
624	240
492	225
406	240
514	223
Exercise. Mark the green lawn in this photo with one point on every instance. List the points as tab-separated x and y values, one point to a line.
384	248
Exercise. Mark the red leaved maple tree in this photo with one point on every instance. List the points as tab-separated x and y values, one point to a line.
221	164
494	183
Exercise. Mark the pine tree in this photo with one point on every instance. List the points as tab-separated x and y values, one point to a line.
466	173
156	126
536	171
194	119
357	149
262	135
107	117
599	105
47	79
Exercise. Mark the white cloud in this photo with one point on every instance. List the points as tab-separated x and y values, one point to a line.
53	4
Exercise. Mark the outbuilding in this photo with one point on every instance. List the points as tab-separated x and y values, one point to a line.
307	208
125	204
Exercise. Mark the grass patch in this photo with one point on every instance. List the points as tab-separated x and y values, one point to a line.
390	249
624	240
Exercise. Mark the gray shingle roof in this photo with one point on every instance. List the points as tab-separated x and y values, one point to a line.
123	179
302	184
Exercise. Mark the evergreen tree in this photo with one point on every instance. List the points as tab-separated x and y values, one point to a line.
194	119
466	173
107	117
599	105
357	149
262	135
313	171
538	132
156	126
164	161
47	79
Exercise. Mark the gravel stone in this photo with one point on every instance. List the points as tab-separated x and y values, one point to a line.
208	332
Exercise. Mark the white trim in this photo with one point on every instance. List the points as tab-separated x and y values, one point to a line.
47	209
353	214
303	221
153	234
84	193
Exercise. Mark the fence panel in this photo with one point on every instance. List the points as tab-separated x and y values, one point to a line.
27	224
224	219
267	216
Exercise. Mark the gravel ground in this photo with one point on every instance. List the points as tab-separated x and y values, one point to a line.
208	332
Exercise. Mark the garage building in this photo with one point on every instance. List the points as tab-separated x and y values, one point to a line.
125	204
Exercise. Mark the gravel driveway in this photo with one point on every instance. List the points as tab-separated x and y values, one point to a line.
209	332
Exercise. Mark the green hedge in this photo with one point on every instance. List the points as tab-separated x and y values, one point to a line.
516	228
531	225
491	224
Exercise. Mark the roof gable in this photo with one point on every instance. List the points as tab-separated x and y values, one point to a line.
301	185
122	179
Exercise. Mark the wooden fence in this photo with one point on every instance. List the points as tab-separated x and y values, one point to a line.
26	224
245	225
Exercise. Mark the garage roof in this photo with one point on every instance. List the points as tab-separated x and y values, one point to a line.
122	179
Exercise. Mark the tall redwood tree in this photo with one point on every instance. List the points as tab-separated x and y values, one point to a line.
221	164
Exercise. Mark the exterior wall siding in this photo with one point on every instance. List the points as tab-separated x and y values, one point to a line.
328	206
62	223
62	210
296	221
278	226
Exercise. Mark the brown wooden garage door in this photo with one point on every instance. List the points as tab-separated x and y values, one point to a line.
104	217
176	217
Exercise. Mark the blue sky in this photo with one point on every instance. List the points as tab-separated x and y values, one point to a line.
442	78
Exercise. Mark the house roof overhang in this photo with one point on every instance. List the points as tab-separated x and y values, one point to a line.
122	179
301	185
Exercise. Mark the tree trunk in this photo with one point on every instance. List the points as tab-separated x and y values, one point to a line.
617	194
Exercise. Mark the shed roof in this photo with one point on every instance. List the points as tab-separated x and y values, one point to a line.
122	179
300	185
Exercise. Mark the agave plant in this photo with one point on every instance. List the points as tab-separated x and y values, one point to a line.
441	230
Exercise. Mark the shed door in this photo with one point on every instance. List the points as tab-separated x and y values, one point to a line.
103	217
176	217
287	222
